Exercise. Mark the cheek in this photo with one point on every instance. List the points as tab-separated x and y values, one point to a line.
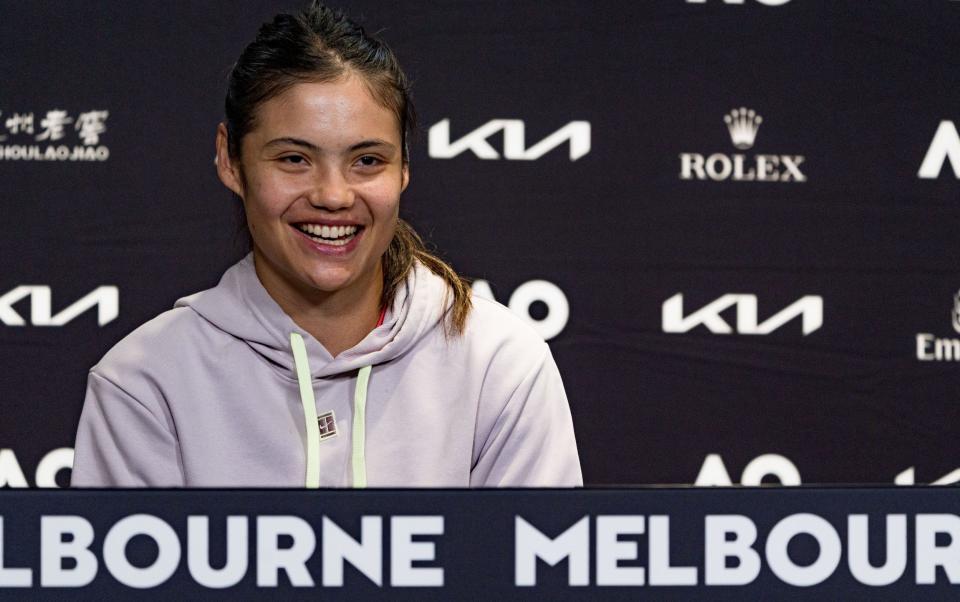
383	200
268	198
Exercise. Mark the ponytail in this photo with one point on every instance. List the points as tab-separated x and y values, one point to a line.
405	248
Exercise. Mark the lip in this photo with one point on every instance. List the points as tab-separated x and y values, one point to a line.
330	250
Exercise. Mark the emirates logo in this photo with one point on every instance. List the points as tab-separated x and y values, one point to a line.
955	314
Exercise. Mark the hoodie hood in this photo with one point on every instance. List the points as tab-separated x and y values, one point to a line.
241	307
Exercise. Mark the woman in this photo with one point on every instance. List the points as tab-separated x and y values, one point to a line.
339	352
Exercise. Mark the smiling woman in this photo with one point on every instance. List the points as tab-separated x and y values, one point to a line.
339	352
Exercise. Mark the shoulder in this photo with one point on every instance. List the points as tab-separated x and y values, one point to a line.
507	343
490	328
491	319
155	347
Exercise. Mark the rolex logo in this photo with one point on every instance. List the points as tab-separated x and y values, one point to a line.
743	125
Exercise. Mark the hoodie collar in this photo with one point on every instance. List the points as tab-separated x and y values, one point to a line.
241	307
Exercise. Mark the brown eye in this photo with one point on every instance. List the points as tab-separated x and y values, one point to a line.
368	161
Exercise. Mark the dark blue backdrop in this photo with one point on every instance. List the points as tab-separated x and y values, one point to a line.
855	96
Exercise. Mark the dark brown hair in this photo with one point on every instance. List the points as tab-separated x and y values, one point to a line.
319	45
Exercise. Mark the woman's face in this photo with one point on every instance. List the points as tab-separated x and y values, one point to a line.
322	173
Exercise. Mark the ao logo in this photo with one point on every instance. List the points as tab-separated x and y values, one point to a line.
548	293
577	133
714	473
105	298
766	2
809	307
945	146
11	475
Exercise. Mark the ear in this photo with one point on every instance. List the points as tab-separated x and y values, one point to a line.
227	169
405	176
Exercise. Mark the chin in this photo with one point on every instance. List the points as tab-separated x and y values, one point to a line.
330	279
328	284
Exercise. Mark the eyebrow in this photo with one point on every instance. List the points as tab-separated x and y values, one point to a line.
314	148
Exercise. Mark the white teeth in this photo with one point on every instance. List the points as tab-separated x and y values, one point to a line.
336	236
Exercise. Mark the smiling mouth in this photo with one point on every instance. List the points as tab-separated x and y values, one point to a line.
335	236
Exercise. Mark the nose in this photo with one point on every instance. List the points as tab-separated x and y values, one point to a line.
330	190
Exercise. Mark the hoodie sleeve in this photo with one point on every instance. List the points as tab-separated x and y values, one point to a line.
531	442
121	443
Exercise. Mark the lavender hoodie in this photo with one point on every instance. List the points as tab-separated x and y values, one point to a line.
206	395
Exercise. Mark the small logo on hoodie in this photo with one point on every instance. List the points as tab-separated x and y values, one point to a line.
328	425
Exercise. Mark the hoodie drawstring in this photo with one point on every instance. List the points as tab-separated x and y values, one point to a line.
357	457
309	410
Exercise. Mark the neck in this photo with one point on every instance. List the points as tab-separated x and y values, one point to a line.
338	319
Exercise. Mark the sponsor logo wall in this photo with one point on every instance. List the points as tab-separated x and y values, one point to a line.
734	221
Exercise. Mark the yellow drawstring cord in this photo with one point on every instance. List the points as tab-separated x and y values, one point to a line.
358	457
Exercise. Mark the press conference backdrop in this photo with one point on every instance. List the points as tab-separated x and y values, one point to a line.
735	221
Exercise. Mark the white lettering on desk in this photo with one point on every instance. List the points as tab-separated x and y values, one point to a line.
733	536
71	537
